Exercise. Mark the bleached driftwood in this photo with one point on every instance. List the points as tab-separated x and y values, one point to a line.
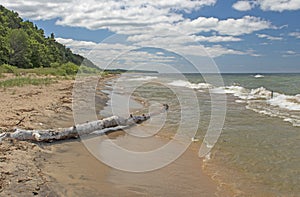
109	124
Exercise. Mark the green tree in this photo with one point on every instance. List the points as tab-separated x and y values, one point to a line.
24	45
4	50
19	49
37	55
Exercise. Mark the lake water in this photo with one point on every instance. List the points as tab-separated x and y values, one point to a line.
257	152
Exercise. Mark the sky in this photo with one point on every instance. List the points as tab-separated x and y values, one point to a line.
233	36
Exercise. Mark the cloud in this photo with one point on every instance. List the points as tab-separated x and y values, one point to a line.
245	25
78	44
230	26
188	45
243	5
157	23
269	37
279	5
135	17
216	39
46	10
268	5
219	50
103	54
295	34
78	47
105	13
290	53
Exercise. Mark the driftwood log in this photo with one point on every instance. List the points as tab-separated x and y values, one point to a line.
98	127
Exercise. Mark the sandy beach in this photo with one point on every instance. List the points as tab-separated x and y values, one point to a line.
66	168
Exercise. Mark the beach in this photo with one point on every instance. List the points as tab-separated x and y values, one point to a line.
30	107
255	155
150	98
66	168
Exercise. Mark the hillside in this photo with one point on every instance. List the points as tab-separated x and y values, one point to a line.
24	45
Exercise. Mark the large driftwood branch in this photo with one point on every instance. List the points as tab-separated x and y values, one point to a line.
106	125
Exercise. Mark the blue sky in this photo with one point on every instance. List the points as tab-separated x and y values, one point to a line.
240	36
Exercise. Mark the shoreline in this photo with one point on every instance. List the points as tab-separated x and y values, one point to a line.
33	107
78	173
67	168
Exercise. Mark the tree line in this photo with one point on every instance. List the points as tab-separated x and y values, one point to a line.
24	45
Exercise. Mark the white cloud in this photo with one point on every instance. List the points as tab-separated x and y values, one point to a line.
78	44
243	5
279	5
188	45
155	23
253	53
268	5
103	54
264	43
216	39
295	34
219	50
46	10
269	37
290	53
230	26
245	25
134	17
99	14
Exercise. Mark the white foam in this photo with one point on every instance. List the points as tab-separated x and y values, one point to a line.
264	112
295	122
182	83
258	76
237	91
286	102
243	93
220	90
146	78
259	93
240	101
260	100
280	100
264	101
293	119
283	101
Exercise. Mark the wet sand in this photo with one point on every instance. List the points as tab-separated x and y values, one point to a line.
75	172
67	168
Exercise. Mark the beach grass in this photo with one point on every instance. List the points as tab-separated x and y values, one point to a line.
67	69
22	81
44	76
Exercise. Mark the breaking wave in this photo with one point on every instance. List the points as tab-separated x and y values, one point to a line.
258	76
260	100
182	83
267	102
146	78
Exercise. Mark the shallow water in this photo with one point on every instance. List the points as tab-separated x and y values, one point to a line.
75	172
257	153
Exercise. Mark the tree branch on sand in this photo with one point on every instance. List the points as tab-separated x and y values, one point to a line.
98	127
